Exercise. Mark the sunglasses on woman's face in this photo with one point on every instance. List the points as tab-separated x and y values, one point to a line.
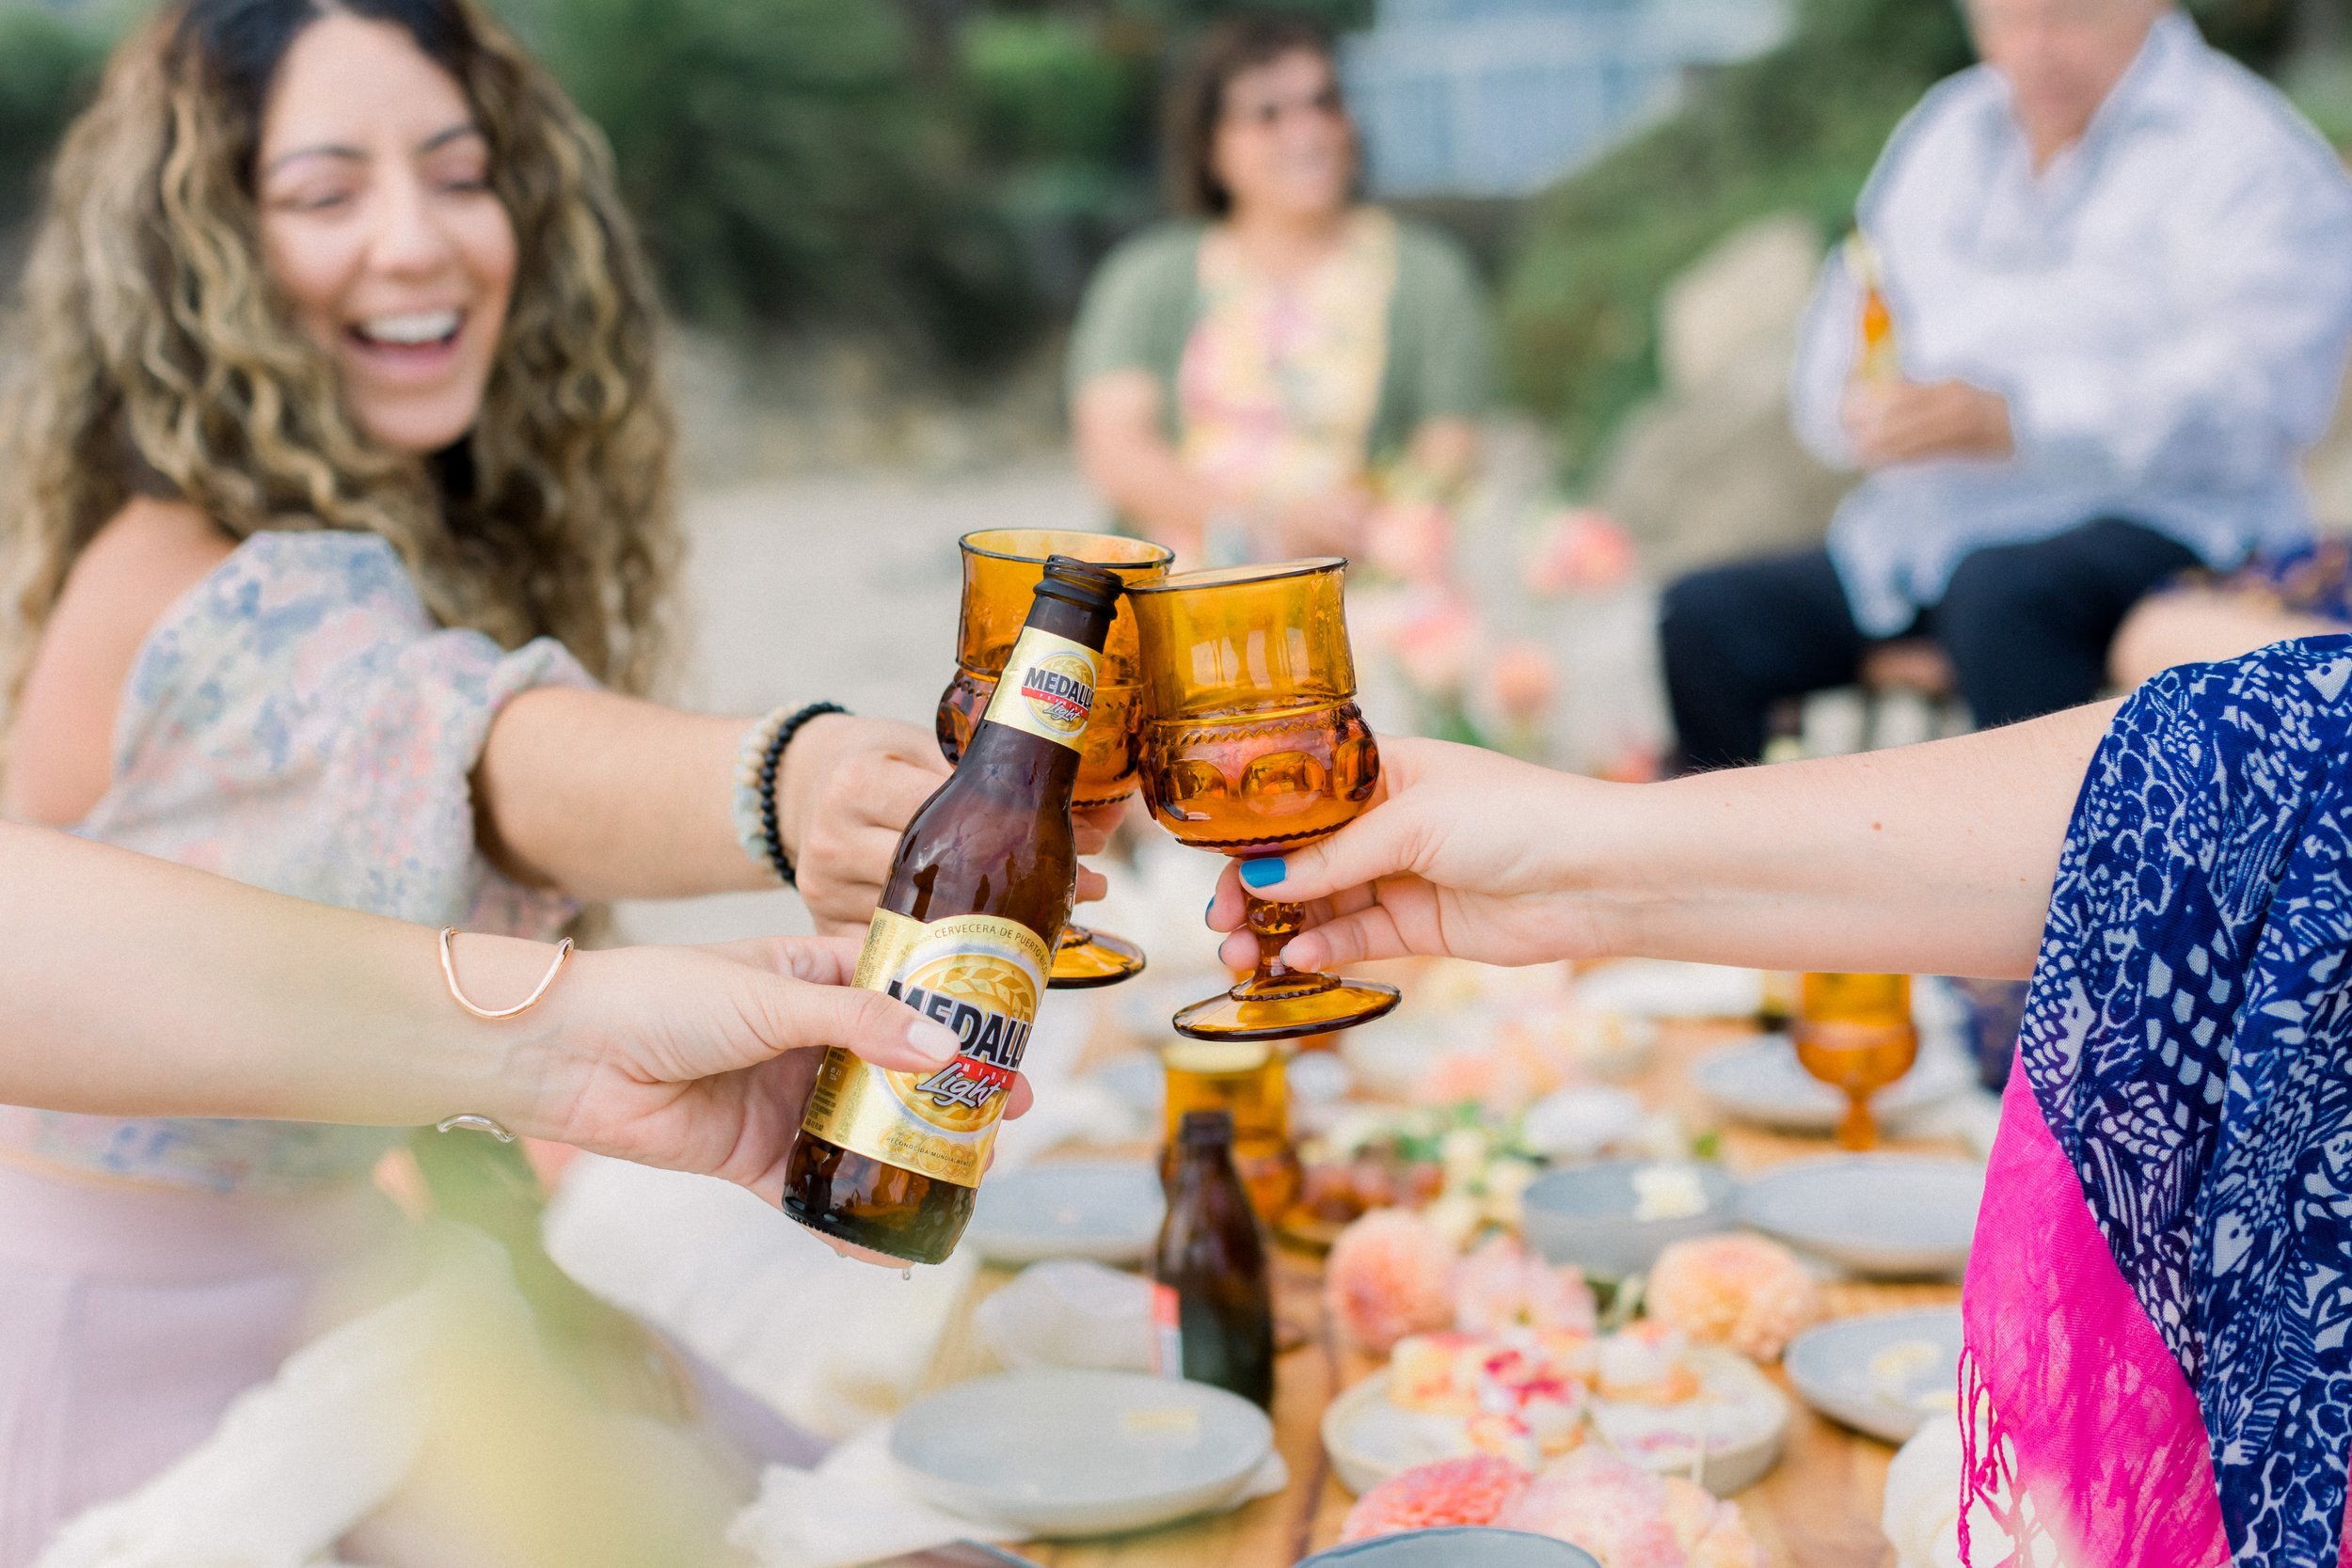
1266	113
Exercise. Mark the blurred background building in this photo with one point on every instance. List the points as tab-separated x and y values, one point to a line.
1504	97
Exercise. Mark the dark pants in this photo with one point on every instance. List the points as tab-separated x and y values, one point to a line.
2027	627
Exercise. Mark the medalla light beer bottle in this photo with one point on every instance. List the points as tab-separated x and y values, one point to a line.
965	932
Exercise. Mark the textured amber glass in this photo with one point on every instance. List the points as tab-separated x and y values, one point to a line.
1854	1033
1253	745
1002	567
1001	570
1247	1080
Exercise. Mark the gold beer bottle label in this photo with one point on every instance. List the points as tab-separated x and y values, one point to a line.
1047	689
982	975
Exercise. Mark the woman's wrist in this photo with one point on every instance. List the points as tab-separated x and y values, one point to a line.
1618	860
511	1070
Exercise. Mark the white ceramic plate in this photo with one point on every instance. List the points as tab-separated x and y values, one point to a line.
1885	1216
1885	1374
1109	1211
1662	987
1455	1546
1059	1452
1760	1081
1740	1452
1370	1439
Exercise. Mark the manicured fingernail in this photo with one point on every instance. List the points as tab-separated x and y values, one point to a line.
932	1041
1263	874
1210	908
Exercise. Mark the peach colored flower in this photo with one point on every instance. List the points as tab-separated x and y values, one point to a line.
1460	1077
1389	1275
1449	1491
1436	642
1740	1291
1410	539
1502	1286
1594	1499
1727	1542
1523	679
1578	550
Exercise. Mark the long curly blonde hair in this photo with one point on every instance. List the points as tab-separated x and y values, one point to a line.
164	362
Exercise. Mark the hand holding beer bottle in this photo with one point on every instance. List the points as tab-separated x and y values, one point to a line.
982	884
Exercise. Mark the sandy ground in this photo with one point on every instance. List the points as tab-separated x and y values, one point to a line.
839	588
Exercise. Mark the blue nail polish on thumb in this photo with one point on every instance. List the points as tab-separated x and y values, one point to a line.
1264	874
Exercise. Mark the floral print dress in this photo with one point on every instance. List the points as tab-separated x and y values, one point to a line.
297	721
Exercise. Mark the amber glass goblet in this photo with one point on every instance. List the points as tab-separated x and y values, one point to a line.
1853	1032
1001	570
1252	746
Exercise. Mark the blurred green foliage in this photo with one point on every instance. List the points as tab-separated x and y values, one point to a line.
1045	87
49	66
792	162
1797	129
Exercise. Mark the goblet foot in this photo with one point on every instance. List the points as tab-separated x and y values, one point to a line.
1086	959
1301	1004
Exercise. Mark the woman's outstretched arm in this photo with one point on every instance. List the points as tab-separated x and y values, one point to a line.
1933	859
130	986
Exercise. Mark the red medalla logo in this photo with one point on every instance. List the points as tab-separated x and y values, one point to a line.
988	1002
1060	691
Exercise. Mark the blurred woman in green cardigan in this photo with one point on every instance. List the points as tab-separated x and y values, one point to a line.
1243	377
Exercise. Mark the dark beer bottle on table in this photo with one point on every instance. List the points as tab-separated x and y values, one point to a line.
964	934
1212	1301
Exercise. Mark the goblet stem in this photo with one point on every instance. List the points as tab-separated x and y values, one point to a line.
1858	1130
1274	923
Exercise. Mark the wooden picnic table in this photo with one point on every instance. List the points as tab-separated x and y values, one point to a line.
1817	1509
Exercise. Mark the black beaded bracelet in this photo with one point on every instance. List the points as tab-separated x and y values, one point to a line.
770	761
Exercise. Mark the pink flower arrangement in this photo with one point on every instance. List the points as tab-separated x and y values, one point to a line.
1390	1274
1578	550
1502	1286
1449	1491
1629	1518
1524	681
1740	1291
1411	540
1436	643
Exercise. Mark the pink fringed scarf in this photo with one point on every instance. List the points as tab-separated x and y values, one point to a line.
2081	1438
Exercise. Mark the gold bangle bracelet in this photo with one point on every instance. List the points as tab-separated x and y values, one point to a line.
449	973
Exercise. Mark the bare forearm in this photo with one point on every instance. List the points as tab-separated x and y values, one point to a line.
1127	458
1144	479
1936	858
607	797
135	986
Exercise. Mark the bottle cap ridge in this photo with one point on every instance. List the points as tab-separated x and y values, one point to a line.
1078	582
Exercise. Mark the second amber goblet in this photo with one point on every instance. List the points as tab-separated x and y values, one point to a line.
1252	746
1854	1033
1002	567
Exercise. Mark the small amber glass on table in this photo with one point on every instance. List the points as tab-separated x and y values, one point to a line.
1253	746
1854	1033
1247	1079
1002	567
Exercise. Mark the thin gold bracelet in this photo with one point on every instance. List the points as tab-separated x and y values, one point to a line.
449	973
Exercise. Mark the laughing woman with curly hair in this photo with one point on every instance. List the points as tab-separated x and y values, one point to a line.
341	509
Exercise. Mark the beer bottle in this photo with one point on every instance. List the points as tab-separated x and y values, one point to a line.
1211	1299
964	934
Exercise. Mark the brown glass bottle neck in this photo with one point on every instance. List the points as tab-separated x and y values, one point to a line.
997	747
